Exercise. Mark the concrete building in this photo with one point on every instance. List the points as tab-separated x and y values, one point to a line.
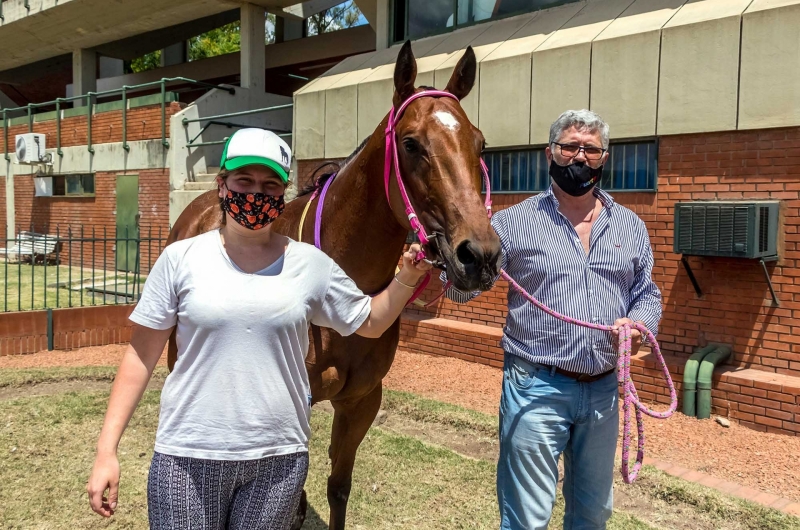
122	151
702	106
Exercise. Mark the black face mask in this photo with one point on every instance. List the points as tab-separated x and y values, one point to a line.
576	179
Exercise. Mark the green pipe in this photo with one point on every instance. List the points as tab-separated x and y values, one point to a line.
5	133
125	145
89	113
690	379
164	141
59	151
711	361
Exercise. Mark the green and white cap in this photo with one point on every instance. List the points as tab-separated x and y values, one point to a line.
248	147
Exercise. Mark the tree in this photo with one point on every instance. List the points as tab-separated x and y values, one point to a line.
345	15
146	62
227	39
219	41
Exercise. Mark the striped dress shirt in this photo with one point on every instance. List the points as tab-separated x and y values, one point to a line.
543	253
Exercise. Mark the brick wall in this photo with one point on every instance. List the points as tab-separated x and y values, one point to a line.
144	123
765	401
26	332
736	307
88	217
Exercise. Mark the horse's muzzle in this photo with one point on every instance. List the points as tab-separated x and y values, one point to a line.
472	267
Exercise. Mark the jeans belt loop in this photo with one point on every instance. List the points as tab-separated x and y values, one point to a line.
552	370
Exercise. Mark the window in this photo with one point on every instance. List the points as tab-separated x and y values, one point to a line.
630	167
414	19
73	185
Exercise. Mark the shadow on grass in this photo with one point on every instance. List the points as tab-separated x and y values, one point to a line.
314	521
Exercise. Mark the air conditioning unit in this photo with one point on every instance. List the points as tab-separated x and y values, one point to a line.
734	229
31	149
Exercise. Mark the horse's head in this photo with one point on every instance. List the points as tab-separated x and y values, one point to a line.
439	154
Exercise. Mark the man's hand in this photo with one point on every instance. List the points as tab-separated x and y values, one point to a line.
636	335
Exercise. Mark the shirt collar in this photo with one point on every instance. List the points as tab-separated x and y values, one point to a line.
605	199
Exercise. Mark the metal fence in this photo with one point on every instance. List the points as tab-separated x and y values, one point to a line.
76	266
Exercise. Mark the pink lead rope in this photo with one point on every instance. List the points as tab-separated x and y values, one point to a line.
625	344
624	377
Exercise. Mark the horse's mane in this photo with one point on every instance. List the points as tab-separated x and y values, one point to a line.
317	183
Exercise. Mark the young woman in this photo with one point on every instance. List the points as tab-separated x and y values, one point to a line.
231	448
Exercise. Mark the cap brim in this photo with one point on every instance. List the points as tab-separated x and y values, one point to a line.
241	161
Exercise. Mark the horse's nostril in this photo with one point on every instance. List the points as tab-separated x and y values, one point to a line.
464	253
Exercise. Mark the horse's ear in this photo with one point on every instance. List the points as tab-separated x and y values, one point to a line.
463	78
405	73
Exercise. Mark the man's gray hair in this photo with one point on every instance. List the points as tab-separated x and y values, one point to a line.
581	120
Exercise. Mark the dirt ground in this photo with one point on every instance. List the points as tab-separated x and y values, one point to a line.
767	462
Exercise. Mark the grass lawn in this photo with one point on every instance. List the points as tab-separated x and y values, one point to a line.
400	482
26	287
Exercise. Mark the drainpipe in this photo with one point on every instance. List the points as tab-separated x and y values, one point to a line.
690	379
711	361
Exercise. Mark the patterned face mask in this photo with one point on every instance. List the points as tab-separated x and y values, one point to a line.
252	210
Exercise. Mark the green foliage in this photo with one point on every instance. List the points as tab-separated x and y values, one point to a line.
220	41
345	15
146	62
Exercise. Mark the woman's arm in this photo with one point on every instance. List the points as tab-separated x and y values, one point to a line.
134	372
389	303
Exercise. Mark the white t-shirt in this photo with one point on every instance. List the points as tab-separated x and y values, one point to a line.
239	389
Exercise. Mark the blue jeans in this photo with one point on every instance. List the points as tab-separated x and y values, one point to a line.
542	415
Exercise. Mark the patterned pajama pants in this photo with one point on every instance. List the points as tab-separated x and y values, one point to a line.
196	494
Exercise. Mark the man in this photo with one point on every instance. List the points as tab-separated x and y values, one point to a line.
584	256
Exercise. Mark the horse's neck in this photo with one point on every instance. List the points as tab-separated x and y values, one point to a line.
359	229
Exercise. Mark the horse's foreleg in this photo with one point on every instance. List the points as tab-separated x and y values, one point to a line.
351	421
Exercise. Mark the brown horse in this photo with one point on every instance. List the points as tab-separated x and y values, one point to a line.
365	235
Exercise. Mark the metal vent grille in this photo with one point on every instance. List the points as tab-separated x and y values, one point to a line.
726	228
763	229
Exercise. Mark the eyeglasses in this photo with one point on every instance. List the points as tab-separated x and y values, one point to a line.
572	150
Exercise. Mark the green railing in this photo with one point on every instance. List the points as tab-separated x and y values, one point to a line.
90	98
57	267
216	120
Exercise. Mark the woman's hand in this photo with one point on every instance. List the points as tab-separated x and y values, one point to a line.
413	269
105	476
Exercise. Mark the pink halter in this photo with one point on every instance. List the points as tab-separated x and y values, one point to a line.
391	155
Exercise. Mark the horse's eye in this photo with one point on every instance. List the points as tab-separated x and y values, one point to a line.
410	146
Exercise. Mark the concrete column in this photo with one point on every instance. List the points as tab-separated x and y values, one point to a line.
382	26
175	54
84	73
254	36
110	67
